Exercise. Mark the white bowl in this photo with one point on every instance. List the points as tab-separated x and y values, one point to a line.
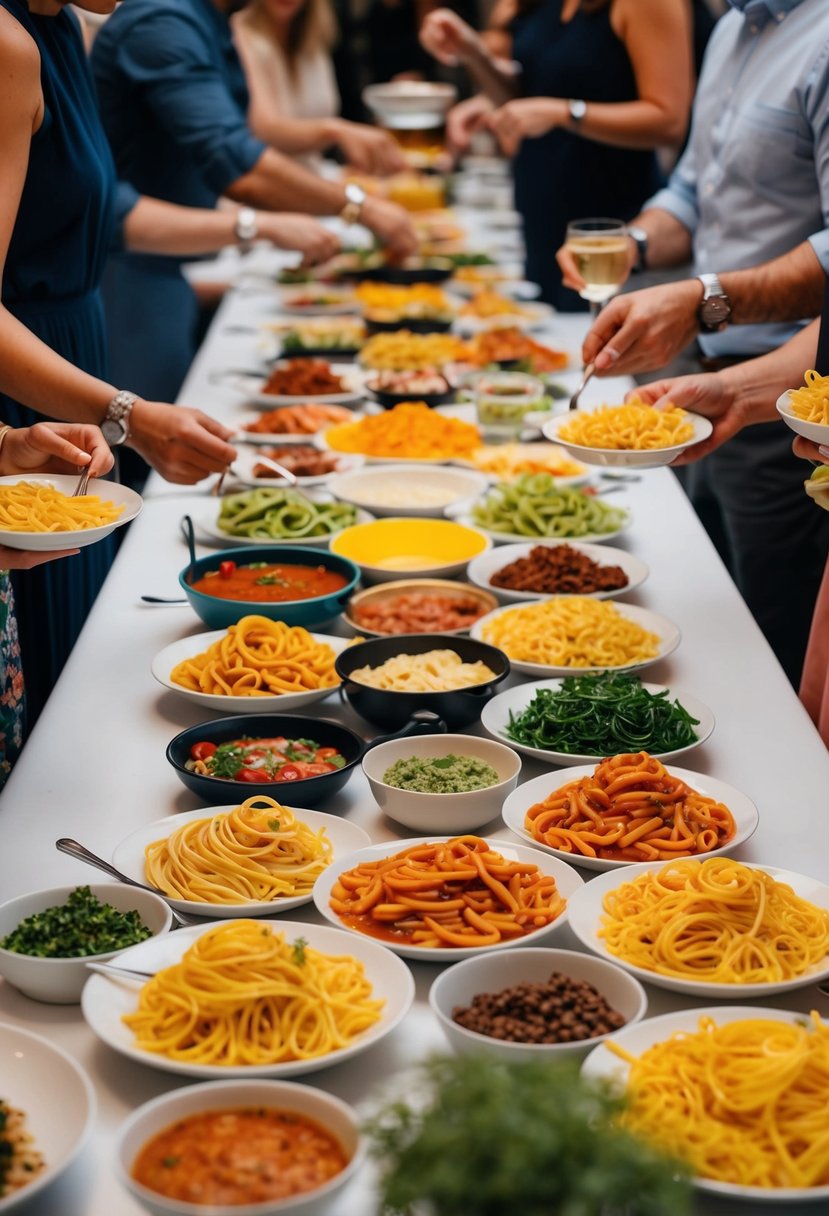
162	1112
405	480
285	702
59	981
441	813
481	569
515	538
409	103
57	1098
652	458
532	792
817	432
495	719
491	973
667	632
205	516
51	542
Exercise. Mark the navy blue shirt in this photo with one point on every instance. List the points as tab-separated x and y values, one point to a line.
173	100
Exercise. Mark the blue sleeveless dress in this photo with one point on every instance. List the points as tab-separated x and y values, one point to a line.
68	216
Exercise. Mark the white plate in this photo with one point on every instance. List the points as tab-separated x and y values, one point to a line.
105	1000
567	879
585	919
482	568
187	648
515	538
205	516
652	458
250	387
128	856
290	297
276	439
464	484
34	1072
51	542
602	1065
244	464
667	632
817	432
495	720
532	792
532	316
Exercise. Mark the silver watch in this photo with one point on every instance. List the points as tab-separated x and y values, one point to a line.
578	109
246	228
115	425
355	198
715	309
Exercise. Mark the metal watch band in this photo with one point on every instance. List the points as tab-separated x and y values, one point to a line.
246	228
355	198
714	311
115	425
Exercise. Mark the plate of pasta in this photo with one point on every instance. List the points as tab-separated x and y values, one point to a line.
594	815
443	899
572	634
253	859
749	1119
38	512
271	999
806	410
291	517
633	435
709	927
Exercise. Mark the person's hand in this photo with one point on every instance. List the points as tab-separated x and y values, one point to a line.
526	118
25	559
710	394
368	149
464	119
182	444
447	37
56	447
643	330
301	233
391	225
806	450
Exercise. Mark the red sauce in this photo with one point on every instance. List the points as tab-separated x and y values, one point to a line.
262	583
239	1156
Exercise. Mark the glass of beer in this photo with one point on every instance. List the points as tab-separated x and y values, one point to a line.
601	251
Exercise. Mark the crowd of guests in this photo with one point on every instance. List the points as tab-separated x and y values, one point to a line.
192	125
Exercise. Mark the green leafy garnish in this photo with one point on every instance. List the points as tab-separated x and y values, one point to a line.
274	825
299	951
76	929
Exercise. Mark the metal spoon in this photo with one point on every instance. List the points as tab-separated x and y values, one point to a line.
588	372
290	477
125	973
160	599
74	848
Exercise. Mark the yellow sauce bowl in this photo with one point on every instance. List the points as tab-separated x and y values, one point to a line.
427	547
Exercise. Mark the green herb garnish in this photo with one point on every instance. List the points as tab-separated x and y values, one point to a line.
170	1162
81	927
299	951
274	825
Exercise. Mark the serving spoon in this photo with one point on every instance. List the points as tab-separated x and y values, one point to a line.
74	848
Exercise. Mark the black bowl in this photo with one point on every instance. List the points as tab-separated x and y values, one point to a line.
413	270
415	325
389	399
382	707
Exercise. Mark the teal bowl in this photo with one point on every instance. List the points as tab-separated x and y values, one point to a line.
219	613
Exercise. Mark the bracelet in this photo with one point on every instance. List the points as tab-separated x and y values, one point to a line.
4	430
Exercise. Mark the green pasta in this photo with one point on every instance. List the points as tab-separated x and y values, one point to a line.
279	514
533	505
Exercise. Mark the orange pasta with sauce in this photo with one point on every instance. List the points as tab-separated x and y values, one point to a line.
455	893
630	809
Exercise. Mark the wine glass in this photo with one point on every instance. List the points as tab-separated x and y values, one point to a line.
601	251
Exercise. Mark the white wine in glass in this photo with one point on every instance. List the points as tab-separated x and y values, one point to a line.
601	251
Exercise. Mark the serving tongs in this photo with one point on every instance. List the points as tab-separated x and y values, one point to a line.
278	468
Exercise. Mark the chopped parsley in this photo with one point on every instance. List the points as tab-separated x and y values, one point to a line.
76	929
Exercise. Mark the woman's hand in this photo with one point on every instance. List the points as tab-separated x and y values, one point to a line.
182	444
806	450
464	119
711	394
368	149
391	225
301	233
526	118
447	37
56	447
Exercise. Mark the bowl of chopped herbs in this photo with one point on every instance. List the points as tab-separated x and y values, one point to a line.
47	937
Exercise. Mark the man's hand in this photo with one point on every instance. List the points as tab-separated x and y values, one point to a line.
526	118
56	447
299	232
182	444
391	224
710	394
447	37
643	330
368	149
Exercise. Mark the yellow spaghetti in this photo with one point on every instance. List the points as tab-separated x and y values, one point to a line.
257	853
258	657
571	631
743	1102
243	995
714	921
811	403
30	506
633	427
434	671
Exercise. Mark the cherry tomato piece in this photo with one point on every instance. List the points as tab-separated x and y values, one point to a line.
251	774
290	772
226	569
202	751
325	753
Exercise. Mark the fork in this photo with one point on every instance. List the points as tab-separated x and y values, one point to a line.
83	482
588	372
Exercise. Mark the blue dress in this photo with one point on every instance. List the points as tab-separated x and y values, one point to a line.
69	213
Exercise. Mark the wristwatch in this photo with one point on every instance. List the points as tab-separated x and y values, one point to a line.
115	425
715	309
355	197
640	240
578	109
246	228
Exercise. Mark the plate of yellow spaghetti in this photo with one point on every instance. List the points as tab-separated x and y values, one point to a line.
749	1119
629	809
254	859
38	511
708	927
633	435
250	997
806	409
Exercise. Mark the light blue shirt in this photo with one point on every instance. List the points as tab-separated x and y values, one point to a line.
753	183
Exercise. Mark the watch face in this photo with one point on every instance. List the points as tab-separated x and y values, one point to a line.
114	432
715	311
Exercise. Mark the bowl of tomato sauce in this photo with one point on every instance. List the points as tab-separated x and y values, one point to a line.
294	584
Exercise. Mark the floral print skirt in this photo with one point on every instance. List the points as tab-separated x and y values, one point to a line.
12	701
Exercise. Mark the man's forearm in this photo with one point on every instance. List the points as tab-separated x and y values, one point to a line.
669	241
790	288
758	383
276	183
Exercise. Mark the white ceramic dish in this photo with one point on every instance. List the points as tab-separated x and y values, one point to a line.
817	432
167	1109
34	1073
291	299
567	881
105	1000
250	387
205	516
585	920
653	458
390	542
667	632
60	981
248	458
441	813
496	716
402	482
412	586
186	648
481	569
51	542
278	439
128	856
491	973
520	800
515	538
602	1065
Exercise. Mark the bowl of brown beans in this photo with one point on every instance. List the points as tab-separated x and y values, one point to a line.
537	1002
535	570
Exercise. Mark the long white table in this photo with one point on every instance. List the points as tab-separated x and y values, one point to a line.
94	767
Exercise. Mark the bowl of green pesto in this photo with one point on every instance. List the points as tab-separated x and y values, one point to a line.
47	937
441	783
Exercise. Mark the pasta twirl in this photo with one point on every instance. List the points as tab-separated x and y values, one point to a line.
575	631
30	506
633	427
434	671
258	852
243	995
811	403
